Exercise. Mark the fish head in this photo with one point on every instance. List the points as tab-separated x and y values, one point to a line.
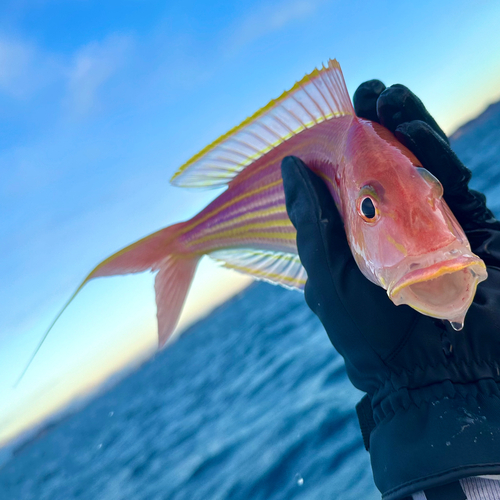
402	233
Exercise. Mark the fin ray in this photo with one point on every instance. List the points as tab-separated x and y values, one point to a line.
319	96
171	287
278	268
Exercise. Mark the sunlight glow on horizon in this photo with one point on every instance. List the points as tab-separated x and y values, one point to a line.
211	288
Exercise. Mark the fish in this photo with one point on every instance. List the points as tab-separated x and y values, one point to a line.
401	232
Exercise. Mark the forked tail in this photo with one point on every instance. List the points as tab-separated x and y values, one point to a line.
154	252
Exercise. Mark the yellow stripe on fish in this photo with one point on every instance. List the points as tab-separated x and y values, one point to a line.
258	214
228	204
237	232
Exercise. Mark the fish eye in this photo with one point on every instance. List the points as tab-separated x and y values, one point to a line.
367	209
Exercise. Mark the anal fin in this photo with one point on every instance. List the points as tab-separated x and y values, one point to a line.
279	268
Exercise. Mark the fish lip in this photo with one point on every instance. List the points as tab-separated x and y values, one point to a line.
434	271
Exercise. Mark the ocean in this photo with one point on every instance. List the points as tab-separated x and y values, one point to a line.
252	403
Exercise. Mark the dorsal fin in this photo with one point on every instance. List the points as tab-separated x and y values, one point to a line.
319	96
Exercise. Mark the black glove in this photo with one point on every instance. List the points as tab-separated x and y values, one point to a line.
433	393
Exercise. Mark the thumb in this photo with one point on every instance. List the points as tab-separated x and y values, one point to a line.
313	213
307	197
336	291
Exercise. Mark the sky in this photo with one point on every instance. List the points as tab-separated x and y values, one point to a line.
101	102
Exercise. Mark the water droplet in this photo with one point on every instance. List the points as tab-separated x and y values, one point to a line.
457	325
299	479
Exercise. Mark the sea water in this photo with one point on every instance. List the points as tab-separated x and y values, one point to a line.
251	403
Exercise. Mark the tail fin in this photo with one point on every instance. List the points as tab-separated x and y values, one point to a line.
171	287
171	283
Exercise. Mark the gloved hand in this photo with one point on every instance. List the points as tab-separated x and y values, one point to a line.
433	393
402	112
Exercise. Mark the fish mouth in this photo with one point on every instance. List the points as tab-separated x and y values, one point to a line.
443	290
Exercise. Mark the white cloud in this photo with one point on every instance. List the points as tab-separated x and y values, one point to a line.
24	69
91	67
271	18
15	58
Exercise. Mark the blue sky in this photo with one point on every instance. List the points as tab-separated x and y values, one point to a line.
102	101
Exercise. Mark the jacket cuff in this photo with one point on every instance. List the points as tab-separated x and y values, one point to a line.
438	441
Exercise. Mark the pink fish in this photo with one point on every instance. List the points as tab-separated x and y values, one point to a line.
400	230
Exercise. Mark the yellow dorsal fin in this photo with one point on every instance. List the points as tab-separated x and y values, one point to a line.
319	96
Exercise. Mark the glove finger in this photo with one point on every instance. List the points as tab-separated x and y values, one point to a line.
365	99
398	104
485	243
436	156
